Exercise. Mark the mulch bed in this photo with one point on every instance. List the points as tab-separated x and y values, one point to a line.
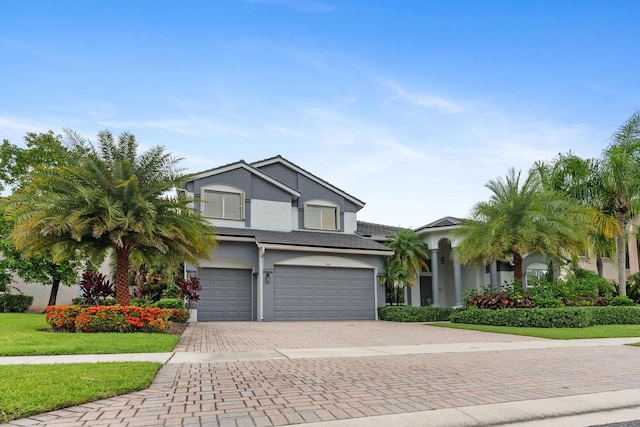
178	328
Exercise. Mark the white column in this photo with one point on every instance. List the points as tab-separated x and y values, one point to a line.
457	280
493	273
434	277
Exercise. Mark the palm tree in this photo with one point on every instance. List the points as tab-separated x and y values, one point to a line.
520	219
395	276
410	254
580	179
410	250
621	182
109	198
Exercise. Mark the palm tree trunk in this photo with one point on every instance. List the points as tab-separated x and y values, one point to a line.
122	276
600	266
555	266
622	254
517	270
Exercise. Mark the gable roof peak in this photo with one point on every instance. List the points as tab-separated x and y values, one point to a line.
279	159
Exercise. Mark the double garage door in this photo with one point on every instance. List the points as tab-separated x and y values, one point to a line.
323	293
299	293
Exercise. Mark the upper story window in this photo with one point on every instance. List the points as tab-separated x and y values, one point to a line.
222	204
321	216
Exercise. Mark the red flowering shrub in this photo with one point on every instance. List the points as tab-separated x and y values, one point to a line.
62	317
177	315
109	319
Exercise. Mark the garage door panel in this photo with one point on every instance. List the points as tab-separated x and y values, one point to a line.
323	293
226	294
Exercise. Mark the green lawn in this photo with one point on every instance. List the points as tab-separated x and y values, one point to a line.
22	334
598	331
32	389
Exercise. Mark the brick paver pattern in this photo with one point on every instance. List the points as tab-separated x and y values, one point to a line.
245	336
289	391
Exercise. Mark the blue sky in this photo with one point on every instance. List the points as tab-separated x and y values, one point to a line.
411	106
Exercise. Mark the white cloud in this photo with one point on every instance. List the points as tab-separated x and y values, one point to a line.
423	101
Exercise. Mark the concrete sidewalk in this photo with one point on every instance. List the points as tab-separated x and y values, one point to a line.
313	353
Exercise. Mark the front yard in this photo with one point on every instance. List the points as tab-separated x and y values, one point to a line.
33	389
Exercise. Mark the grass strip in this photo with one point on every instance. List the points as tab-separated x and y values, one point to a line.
22	334
33	389
596	331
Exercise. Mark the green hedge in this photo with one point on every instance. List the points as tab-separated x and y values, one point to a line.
15	303
407	313
175	303
566	317
615	315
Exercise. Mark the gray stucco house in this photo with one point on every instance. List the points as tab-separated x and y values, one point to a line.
288	246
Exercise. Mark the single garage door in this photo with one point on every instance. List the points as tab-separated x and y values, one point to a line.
323	293
225	295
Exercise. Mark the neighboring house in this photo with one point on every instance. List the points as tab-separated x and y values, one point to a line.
288	247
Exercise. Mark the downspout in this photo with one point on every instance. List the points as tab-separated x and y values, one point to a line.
261	251
376	280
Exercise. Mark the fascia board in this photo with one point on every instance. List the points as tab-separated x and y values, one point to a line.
273	246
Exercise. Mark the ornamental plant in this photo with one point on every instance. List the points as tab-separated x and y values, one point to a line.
95	288
190	290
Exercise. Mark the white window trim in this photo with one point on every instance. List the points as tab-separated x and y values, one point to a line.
224	190
322	204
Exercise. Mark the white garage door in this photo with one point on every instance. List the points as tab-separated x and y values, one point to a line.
323	293
225	295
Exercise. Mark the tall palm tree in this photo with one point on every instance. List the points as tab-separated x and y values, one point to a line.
580	179
621	182
519	219
109	198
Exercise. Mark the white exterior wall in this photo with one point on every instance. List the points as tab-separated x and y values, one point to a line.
41	293
270	215
350	222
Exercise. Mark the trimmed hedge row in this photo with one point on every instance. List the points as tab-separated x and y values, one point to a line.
566	317
112	318
15	303
408	313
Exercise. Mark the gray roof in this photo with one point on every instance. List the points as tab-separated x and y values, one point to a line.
306	238
447	221
370	229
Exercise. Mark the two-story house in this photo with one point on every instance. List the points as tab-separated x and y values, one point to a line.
288	247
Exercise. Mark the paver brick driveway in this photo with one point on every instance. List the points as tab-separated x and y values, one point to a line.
289	391
248	336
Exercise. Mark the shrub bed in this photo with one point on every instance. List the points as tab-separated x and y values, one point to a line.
109	319
407	313
15	303
566	317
